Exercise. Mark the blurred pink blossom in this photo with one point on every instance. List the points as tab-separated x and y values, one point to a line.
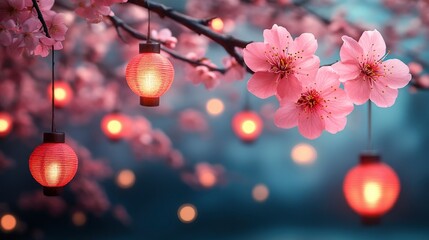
164	35
205	175
323	105
5	162
121	213
192	120
192	43
235	71
175	159
415	68
202	74
39	202
366	75
90	196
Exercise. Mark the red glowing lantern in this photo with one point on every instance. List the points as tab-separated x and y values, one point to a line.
247	125
5	124
115	126
149	74
53	164
371	188
63	94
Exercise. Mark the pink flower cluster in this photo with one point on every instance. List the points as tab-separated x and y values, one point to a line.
95	10
310	96
21	30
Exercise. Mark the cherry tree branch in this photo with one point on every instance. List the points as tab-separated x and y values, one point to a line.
120	24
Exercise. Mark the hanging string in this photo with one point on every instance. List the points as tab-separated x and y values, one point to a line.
45	29
369	126
246	106
148	22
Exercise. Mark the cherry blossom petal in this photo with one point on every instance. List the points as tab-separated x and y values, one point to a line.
310	125
278	36
263	84
305	44
347	71
382	95
306	69
289	88
350	50
396	74
286	116
373	44
334	125
254	57
337	104
358	90
326	79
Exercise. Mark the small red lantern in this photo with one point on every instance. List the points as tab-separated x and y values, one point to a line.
247	125
53	164
115	126
5	124
63	94
149	74
371	188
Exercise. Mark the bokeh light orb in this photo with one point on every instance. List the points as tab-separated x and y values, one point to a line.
260	193
8	222
115	126
217	24
126	178
207	179
63	93
6	122
187	213
214	106
371	188
78	218
247	125
303	154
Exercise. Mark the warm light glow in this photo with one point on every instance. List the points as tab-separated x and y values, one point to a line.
303	154
79	218
53	173
125	178
63	93
8	222
260	193
371	193
150	82
217	24
114	126
214	106
248	126
207	178
5	124
187	213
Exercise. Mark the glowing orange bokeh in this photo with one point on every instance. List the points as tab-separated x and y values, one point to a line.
115	126
125	178
187	213
63	94
371	189
247	125
217	24
207	178
214	106
5	124
260	193
79	218
303	154
8	222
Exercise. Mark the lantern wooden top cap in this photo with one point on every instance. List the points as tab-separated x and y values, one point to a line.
369	157
54	137
149	47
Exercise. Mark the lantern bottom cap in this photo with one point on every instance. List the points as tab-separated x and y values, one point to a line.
149	101
370	221
52	191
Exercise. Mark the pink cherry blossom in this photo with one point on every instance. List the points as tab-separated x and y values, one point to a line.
235	71
165	36
17	10
323	105
56	26
281	64
365	73
202	74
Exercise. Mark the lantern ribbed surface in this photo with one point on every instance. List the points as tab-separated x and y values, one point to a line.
53	164
247	125
371	189
149	75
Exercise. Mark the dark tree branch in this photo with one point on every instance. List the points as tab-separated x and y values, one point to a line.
42	20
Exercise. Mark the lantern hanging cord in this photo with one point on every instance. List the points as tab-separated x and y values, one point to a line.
45	29
148	22
369	126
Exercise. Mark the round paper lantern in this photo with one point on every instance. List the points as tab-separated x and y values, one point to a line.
53	164
371	188
247	125
5	124
149	74
115	126
63	94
